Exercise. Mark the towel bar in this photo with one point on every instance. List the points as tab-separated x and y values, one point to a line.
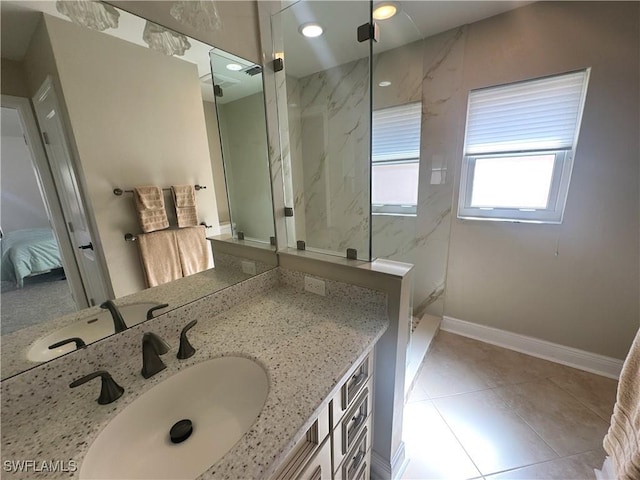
130	237
118	191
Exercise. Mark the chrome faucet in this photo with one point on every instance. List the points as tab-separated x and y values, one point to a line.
152	347
118	321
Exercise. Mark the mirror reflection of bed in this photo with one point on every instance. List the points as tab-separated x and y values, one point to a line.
33	284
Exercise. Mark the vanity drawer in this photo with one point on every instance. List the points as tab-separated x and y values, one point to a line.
347	434
307	447
356	464
319	467
350	389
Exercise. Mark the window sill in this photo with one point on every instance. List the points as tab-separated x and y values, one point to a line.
383	214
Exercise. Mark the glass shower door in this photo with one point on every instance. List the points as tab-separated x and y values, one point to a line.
324	108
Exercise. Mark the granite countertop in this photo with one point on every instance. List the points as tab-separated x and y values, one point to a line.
176	293
306	344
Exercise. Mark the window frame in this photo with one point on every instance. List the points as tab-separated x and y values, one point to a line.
560	179
395	208
558	191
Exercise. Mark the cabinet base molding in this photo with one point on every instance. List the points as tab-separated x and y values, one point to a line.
381	469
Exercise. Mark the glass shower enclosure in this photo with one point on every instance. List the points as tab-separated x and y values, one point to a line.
324	110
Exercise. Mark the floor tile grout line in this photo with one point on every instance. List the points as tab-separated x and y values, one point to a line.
457	440
540	463
588	407
541	378
513	410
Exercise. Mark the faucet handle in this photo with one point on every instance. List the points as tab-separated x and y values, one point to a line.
159	345
152	347
153	309
110	390
77	340
186	350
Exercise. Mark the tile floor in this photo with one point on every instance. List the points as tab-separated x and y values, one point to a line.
481	411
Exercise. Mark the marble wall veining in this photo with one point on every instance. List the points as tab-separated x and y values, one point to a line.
329	136
434	76
277	139
442	127
328	180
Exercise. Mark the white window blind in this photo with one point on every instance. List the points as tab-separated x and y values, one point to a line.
396	133
541	114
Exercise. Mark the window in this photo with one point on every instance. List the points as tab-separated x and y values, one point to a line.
395	159
519	145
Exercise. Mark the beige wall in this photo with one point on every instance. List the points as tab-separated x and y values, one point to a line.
137	119
13	80
215	152
577	283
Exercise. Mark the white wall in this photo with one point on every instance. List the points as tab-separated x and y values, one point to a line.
21	202
137	119
577	283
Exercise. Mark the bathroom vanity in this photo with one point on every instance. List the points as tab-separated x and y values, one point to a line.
317	352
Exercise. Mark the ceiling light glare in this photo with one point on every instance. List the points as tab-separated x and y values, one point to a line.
384	11
234	67
384	83
311	30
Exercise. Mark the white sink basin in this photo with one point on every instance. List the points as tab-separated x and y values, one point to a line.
89	330
222	398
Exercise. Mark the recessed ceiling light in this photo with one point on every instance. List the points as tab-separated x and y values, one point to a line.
385	10
384	83
311	30
234	67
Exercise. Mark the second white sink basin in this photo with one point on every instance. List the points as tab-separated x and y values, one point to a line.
88	329
221	397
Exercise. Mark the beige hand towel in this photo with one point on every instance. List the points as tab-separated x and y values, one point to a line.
184	198
193	247
150	208
160	258
622	442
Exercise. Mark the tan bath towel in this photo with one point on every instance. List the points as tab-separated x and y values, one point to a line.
622	442
160	258
150	208
194	250
184	198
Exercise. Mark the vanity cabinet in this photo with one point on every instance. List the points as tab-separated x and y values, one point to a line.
337	446
352	423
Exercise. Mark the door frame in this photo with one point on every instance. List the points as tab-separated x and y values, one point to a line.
46	184
103	283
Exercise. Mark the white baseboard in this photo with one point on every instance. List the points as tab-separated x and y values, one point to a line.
572	357
383	470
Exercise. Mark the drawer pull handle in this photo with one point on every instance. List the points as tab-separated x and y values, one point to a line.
359	378
357	459
359	420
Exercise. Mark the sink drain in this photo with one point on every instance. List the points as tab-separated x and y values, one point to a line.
181	431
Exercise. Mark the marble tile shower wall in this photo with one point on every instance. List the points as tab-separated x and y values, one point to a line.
424	239
443	116
329	138
279	161
330	181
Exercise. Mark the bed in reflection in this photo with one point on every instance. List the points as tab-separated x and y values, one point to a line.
28	252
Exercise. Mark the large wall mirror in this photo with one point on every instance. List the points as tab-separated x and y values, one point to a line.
243	134
128	103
